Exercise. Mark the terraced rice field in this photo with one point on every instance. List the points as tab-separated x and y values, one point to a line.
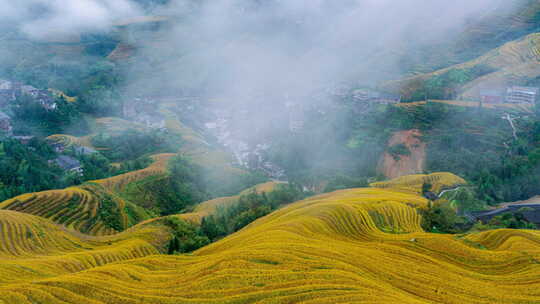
413	183
70	141
73	207
350	246
32	248
92	208
115	125
118	183
513	60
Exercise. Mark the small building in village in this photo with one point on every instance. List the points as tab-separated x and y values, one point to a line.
6	128
7	92
11	90
61	147
514	94
84	150
68	163
372	96
518	94
366	95
363	100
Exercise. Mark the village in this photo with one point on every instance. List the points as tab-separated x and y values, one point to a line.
10	92
511	95
220	121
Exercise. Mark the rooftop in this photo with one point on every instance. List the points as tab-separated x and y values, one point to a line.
67	162
84	150
529	90
5	84
3	116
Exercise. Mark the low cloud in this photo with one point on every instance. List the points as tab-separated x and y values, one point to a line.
49	19
273	45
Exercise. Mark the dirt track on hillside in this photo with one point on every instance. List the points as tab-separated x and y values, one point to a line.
406	164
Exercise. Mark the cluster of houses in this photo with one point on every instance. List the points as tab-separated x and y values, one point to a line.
514	94
66	162
371	96
11	90
5	125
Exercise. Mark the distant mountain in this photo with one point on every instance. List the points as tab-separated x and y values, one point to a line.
515	63
504	22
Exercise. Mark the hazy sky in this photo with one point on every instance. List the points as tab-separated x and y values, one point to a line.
42	19
234	45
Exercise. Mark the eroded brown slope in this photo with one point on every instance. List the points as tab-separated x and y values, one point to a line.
393	167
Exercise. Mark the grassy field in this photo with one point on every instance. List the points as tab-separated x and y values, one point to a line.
358	245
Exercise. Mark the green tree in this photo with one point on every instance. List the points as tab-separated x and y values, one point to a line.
441	218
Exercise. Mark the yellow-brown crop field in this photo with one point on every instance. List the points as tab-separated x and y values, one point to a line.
413	183
70	141
350	246
117	183
79	207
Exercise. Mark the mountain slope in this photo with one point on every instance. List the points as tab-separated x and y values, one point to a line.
32	247
515	62
327	249
93	207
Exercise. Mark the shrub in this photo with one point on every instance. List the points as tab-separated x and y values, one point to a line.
187	237
398	150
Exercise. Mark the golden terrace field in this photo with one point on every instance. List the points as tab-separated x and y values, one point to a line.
413	183
326	249
81	208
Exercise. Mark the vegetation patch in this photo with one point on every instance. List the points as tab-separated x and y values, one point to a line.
109	213
186	236
249	207
397	151
132	144
263	261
